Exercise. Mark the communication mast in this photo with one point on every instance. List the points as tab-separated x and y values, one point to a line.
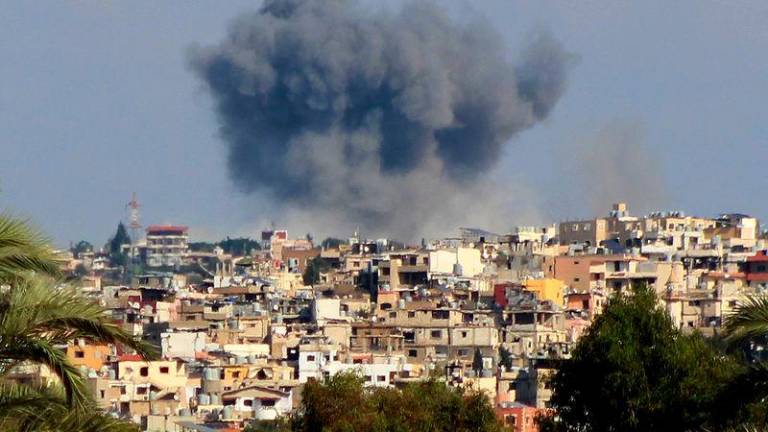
133	223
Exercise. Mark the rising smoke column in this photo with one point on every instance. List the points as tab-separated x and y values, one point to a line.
388	120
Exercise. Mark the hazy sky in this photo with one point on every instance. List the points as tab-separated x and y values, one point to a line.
97	101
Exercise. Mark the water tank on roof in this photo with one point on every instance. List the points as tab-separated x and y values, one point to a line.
215	399
185	412
226	413
241	360
111	374
152	395
212	374
204	399
252	358
401	304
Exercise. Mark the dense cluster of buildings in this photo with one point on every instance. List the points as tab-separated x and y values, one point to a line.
241	335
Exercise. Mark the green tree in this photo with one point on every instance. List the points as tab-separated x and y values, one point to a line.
477	362
634	371
315	266
23	250
241	246
505	358
343	404
120	238
115	246
81	247
201	246
331	242
746	332
37	316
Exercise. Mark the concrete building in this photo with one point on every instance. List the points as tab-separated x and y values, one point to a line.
166	245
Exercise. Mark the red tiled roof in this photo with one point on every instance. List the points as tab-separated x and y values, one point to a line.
166	228
129	357
761	256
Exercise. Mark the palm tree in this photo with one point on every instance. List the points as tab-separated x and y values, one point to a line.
745	328
34	319
23	250
37	316
749	321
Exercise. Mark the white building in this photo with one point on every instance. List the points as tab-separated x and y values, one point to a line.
166	245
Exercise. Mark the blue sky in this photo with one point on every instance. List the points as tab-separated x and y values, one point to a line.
96	101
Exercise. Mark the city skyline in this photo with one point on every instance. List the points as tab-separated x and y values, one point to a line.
104	104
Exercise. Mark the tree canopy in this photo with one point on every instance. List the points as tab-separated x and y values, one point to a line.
240	246
120	238
331	242
315	266
38	315
81	247
634	371
343	404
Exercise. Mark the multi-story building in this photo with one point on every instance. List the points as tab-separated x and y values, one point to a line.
166	245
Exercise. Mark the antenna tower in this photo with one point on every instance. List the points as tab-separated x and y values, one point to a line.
134	222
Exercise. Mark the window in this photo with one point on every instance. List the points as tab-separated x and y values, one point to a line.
576	279
79	354
381	378
144	371
141	390
436	334
411	314
462	352
164	369
122	390
310	358
248	402
236	374
368	378
463	334
413	353
268	403
102	393
393	314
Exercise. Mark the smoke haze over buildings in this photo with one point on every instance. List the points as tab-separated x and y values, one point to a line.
388	120
613	164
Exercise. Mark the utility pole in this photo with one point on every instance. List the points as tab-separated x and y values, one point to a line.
134	224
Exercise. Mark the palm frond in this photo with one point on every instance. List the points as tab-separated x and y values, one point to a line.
61	315
24	249
26	401
42	352
749	321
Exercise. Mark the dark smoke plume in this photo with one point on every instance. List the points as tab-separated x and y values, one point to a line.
382	119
